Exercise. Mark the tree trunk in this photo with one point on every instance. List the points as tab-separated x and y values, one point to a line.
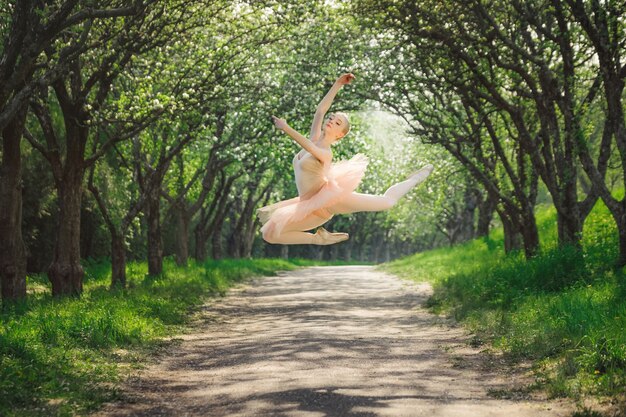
377	248
485	213
530	234
117	232
242	234
284	251
387	251
334	252
512	235
66	273
182	236
362	256
467	231
155	243
216	237
568	218
12	250
621	229
347	254
248	240
234	245
614	86
244	227
201	240
247	248
118	262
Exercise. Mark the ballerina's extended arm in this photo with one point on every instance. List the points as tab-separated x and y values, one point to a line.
322	108
324	155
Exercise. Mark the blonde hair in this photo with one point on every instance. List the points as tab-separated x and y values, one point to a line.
346	128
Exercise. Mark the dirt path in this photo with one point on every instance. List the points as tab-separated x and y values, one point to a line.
326	341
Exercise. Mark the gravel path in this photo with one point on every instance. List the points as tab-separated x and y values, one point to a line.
328	341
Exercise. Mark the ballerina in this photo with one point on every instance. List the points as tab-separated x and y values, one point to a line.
325	188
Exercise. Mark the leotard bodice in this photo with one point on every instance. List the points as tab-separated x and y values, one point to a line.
310	173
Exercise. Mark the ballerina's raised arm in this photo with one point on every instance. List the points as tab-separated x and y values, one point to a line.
322	108
318	144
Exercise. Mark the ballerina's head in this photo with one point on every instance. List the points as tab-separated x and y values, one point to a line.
337	126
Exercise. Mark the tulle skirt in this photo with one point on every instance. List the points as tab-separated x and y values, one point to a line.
343	178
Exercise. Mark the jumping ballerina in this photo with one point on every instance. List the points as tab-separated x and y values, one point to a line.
325	188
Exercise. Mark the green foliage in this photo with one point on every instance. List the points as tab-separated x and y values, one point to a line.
564	308
66	356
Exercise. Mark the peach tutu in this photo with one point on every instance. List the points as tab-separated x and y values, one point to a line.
341	179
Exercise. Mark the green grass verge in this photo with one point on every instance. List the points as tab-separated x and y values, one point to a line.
565	309
63	357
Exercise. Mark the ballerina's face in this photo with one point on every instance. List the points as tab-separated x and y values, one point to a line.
336	126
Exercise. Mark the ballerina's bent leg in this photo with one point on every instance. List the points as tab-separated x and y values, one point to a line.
294	233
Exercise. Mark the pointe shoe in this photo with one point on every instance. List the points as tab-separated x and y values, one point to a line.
327	238
421	174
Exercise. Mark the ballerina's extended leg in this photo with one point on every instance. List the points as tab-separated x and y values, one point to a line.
356	202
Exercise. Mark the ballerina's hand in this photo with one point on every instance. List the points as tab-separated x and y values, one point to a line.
279	123
345	78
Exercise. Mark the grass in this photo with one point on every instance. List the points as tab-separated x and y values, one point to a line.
564	309
63	357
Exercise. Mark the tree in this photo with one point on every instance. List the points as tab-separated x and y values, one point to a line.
29	29
603	27
81	98
522	63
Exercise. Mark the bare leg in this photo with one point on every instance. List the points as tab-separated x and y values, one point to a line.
367	202
294	233
362	202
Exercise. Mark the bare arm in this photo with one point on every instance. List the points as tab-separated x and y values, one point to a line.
322	108
323	154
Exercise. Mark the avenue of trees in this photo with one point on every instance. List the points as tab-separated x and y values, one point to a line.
523	94
140	129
